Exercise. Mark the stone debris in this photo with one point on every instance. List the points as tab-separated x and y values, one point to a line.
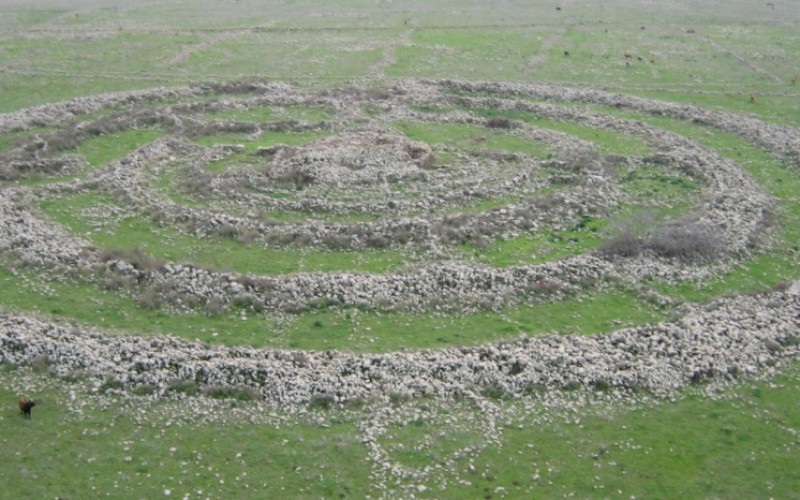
720	341
397	193
366	169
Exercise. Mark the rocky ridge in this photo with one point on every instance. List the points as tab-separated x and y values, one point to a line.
722	340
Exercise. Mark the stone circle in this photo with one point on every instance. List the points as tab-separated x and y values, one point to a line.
358	183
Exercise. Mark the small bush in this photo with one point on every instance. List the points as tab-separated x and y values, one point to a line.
790	341
136	258
228	231
144	390
601	385
215	306
188	387
427	162
336	241
679	239
538	389
687	241
516	368
197	182
494	392
110	384
397	399
113	280
500	123
41	363
150	299
9	367
702	376
320	402
297	176
355	403
237	393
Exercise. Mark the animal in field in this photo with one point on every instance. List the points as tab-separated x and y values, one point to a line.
794	80
752	98
25	405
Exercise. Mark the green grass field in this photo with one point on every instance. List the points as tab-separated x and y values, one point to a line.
741	442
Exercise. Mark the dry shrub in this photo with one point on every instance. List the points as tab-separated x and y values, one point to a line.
224	230
583	161
336	241
150	299
501	123
137	258
215	306
427	162
297	176
681	239
114	280
197	182
238	392
687	241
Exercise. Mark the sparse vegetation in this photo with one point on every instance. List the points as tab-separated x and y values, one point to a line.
679	239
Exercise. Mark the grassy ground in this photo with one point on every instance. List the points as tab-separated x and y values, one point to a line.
79	214
348	329
470	138
714	54
743	444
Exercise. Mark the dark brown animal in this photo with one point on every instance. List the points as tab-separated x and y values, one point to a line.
752	98
25	405
566	53
794	80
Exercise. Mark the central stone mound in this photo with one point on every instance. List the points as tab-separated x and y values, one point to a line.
360	158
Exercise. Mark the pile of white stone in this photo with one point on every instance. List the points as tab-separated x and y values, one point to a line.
368	169
732	206
731	337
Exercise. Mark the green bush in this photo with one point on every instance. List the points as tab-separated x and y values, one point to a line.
321	402
188	387
237	393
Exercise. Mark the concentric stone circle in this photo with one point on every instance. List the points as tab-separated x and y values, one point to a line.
360	183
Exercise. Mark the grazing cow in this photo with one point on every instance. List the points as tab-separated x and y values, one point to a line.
25	405
628	55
